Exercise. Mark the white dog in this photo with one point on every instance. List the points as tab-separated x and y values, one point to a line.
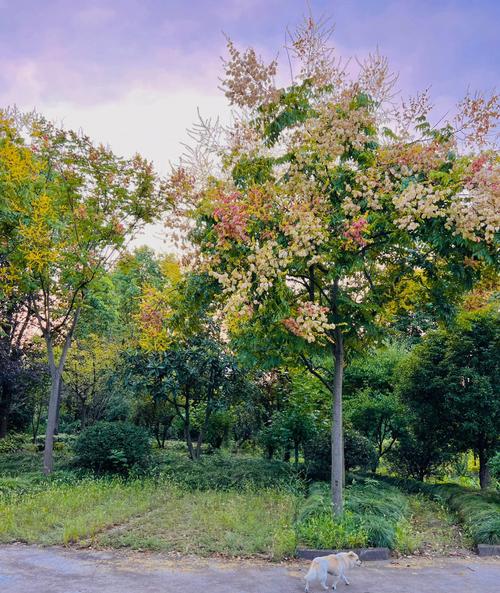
334	564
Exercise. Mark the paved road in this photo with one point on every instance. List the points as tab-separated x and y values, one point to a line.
26	569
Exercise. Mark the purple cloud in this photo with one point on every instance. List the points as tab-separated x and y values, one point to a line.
92	51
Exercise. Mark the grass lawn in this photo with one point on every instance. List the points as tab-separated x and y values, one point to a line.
211	522
160	512
155	515
222	505
64	513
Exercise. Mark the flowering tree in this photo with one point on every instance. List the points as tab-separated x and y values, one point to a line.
69	207
328	199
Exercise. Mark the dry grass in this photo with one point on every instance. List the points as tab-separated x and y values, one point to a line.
211	522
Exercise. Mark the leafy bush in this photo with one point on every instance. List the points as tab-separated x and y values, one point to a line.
359	453
218	428
271	439
494	466
222	472
112	447
317	456
417	456
478	511
12	443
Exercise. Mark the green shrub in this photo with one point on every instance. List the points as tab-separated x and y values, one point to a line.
218	428
115	447
359	453
224	472
12	443
271	439
317	456
494	465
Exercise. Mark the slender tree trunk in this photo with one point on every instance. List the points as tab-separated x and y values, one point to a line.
35	423
157	434
484	471
56	371
337	476
198	444
189	441
59	397
83	416
164	435
3	423
187	431
5	403
48	452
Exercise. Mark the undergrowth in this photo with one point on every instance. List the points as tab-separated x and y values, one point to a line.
375	515
479	512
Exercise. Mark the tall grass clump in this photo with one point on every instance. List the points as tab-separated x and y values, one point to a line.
375	515
479	512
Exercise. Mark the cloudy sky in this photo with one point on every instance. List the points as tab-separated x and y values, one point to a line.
132	73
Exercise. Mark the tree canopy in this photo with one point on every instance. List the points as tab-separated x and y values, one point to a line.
328	201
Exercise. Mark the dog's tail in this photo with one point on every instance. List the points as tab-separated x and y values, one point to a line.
312	573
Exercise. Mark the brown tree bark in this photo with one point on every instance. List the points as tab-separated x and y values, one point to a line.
484	471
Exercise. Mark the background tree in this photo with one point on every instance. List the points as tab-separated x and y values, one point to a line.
87	374
181	357
17	172
195	376
79	207
450	382
156	414
134	271
327	200
372	405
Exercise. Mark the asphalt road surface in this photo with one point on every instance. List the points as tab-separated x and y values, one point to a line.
26	569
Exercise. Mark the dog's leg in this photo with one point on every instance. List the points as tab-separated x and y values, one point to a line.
323	579
334	585
345	579
307	587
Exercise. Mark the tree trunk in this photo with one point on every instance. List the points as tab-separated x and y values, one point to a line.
3	423
5	403
337	476
187	431
198	444
484	471
58	411
189	442
164	435
83	417
157	434
35	423
48	452
56	371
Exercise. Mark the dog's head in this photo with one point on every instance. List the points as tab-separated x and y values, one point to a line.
354	558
